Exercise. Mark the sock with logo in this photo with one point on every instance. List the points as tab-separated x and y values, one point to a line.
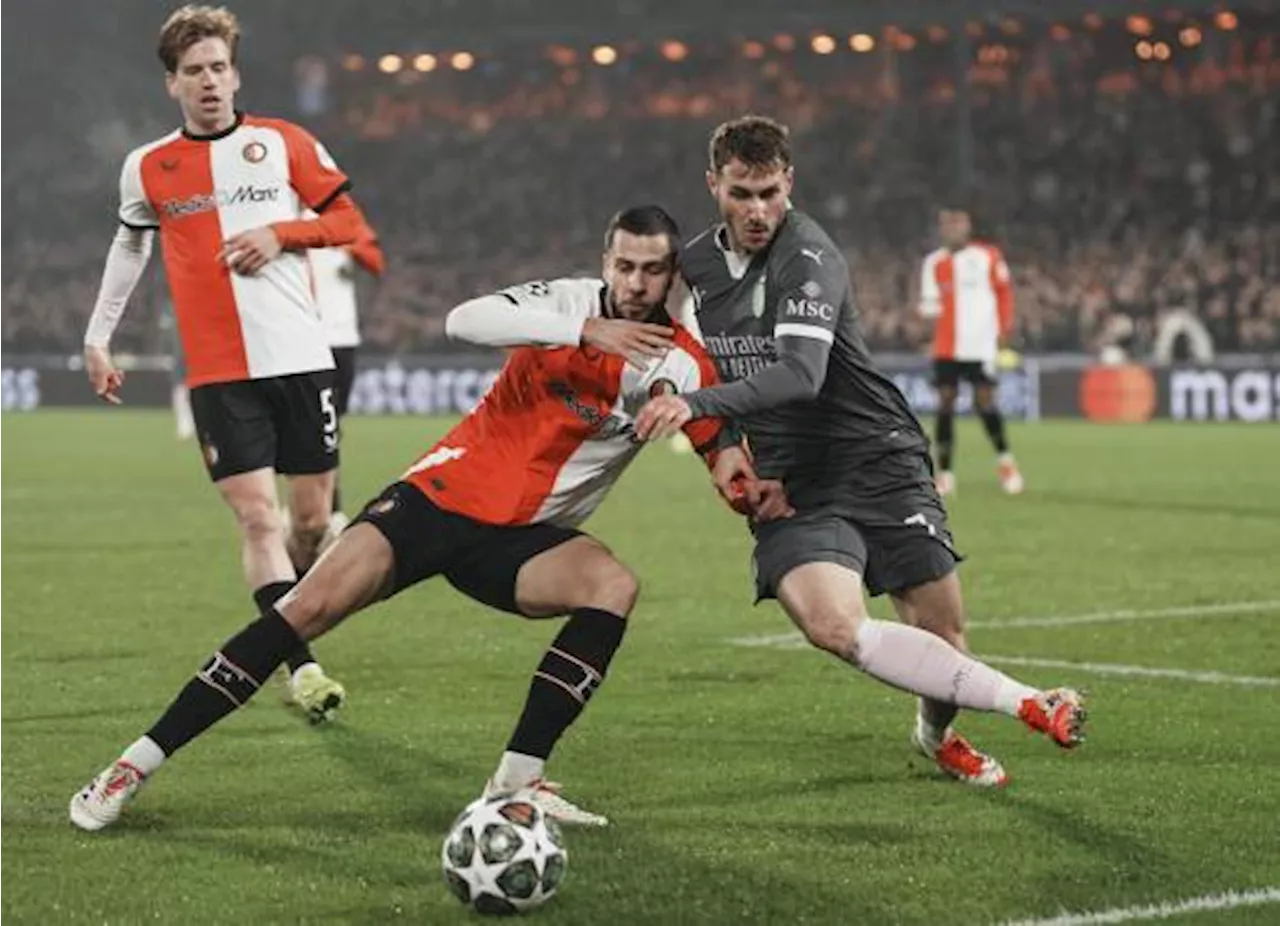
569	673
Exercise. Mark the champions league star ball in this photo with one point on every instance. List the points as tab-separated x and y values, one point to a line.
503	855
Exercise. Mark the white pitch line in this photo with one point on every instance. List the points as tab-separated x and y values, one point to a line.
1111	668
1224	609
1229	900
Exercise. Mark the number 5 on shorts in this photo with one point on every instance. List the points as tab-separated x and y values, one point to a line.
330	418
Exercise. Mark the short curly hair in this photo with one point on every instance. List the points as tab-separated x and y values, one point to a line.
756	141
191	24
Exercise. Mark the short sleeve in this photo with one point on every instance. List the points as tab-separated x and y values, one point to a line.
812	287
313	173
136	210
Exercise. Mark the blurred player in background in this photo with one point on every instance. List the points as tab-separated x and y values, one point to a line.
494	508
334	273
775	307
227	193
179	395
965	288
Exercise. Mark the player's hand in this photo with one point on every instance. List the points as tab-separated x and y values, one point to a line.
638	342
105	379
662	416
250	251
771	501
732	474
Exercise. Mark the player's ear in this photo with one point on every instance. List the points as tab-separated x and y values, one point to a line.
791	179
171	84
235	79
711	181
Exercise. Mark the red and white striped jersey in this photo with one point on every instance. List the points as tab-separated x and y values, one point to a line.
968	293
199	191
556	429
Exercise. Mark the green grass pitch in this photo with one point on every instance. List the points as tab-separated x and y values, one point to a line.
747	784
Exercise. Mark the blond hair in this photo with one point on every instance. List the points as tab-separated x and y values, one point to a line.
191	24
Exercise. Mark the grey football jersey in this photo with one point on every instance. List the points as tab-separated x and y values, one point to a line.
784	333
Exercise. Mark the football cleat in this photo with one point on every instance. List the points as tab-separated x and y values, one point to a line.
1058	713
546	794
945	482
100	802
1010	476
957	757
316	694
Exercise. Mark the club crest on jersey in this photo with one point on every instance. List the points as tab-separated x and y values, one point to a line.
211	455
662	387
254	152
382	506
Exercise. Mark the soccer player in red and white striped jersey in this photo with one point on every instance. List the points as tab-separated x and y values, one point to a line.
227	195
965	289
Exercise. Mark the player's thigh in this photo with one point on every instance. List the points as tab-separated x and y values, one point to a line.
252	498
905	525
526	570
946	378
306	423
824	599
578	573
422	539
311	499
234	423
936	605
353	573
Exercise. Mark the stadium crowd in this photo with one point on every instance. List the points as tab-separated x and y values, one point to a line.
1120	188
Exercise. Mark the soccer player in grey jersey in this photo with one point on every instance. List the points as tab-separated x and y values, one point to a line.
775	308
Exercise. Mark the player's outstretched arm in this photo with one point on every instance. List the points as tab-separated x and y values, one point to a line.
126	260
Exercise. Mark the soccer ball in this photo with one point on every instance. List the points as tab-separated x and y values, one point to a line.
503	855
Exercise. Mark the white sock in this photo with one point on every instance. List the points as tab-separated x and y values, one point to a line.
516	770
144	755
917	661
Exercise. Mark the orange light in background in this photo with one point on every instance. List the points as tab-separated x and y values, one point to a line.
675	51
823	44
973	29
463	61
562	55
1161	51
424	63
1226	20
936	34
784	42
753	49
1190	37
390	64
1143	50
904	41
862	42
1010	27
1060	33
1092	21
604	55
352	63
1139	25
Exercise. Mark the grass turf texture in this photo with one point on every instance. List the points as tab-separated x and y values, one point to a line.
746	785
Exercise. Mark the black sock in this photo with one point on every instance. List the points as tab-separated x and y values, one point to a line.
993	421
265	598
227	681
946	433
570	672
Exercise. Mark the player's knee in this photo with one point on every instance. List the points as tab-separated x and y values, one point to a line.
307	609
833	629
259	519
610	586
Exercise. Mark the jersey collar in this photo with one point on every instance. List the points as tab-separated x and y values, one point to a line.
214	136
